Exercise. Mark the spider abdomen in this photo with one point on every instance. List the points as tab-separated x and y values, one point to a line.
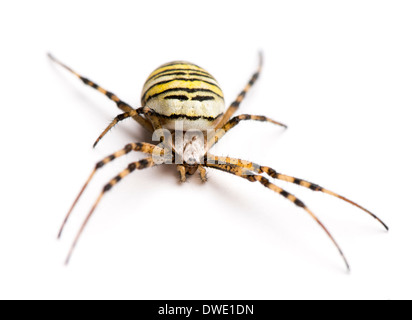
182	91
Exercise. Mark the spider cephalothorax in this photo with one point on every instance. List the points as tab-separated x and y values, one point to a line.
183	106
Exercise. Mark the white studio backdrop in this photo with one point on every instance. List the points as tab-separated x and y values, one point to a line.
337	72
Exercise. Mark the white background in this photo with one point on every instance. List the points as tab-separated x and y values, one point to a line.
339	73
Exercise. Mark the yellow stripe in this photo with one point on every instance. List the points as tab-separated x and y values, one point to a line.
183	84
167	77
182	65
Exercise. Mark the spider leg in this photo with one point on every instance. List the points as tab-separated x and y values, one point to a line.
243	173
182	170
141	146
235	104
234	122
122	117
155	123
303	183
202	173
120	104
165	135
316	187
139	165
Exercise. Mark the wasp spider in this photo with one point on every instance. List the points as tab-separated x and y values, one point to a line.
182	97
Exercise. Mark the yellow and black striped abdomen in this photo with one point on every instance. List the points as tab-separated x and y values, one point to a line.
182	91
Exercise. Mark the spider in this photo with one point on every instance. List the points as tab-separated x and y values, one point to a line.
183	97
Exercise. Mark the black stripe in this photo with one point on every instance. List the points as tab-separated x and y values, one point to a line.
181	72
299	203
128	148
166	74
203	98
254	78
132	167
144	101
107	187
235	104
179	79
314	187
85	80
265	182
284	193
178	69
272	173
175	63
143	163
297	181
122	116
251	178
177	97
109	95
99	165
179	116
